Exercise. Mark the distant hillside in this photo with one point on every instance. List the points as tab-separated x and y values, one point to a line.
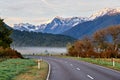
24	38
89	27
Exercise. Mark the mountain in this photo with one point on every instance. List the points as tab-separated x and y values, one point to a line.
76	27
56	26
98	21
105	11
25	38
29	27
59	24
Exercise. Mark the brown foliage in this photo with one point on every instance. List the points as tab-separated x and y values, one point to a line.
9	53
100	45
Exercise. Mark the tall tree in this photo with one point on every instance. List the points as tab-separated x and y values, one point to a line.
100	39
5	39
114	32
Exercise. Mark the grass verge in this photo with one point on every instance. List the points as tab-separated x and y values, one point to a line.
100	61
22	69
34	73
12	67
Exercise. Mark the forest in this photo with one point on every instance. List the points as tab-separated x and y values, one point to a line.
104	43
27	39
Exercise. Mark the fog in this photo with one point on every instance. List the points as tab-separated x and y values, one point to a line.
41	50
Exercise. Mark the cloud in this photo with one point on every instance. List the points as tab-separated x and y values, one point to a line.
16	20
39	11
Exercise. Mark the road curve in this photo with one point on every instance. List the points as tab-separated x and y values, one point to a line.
67	69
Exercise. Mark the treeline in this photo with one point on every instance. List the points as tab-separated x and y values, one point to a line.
104	43
5	41
25	38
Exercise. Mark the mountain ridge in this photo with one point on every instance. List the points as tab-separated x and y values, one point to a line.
56	26
105	11
89	27
59	24
68	26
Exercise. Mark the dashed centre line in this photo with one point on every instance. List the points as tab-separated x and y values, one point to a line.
78	69
71	64
90	77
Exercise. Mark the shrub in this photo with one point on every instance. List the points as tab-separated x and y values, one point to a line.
9	53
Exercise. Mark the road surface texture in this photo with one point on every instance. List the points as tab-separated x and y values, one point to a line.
68	69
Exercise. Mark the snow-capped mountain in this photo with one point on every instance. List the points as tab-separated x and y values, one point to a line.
59	24
56	26
29	27
105	11
100	20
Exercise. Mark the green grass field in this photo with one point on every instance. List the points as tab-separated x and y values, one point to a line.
11	69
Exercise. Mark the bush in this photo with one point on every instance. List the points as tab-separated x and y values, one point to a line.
9	53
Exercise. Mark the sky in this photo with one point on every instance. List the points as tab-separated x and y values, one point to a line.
43	11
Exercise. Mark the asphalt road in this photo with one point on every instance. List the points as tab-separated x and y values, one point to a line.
67	69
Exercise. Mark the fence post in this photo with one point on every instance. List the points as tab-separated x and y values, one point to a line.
113	62
39	63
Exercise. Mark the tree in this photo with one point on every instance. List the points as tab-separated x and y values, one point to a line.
78	46
100	39
5	40
114	32
72	51
84	47
105	43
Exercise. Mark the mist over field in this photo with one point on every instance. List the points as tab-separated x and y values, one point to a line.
39	50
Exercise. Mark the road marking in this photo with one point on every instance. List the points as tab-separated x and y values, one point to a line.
78	69
90	77
71	64
49	71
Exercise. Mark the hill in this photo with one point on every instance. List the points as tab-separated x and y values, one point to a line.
25	38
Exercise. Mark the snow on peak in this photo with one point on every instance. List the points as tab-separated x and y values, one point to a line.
105	11
29	27
57	25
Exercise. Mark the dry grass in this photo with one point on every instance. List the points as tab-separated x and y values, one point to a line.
34	73
110	59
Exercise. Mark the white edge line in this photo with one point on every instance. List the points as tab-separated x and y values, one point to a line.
108	68
49	67
102	66
78	69
48	75
90	77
